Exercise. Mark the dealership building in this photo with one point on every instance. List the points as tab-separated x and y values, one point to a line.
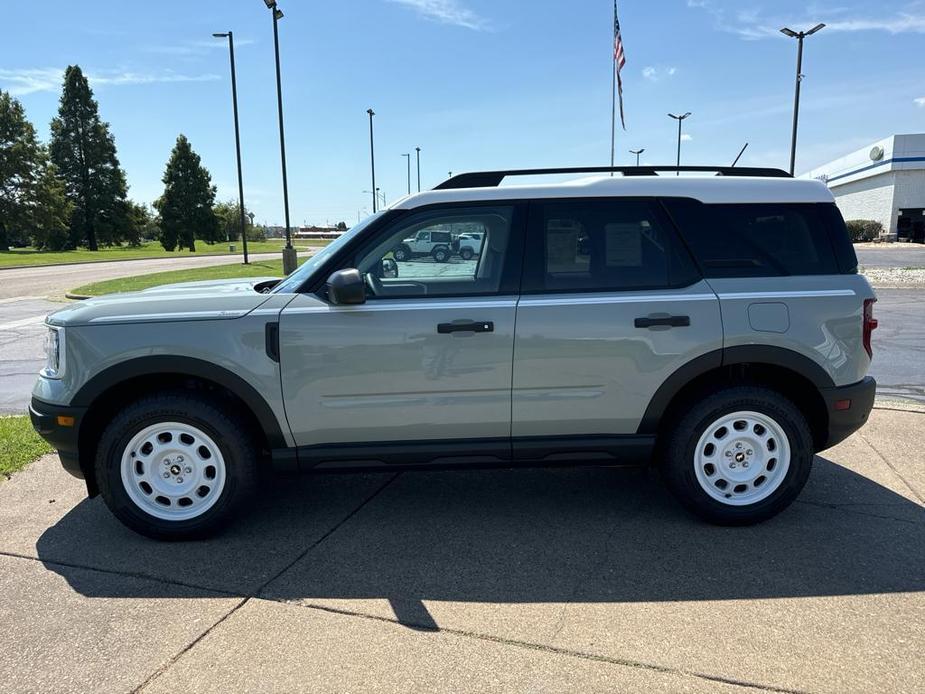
884	181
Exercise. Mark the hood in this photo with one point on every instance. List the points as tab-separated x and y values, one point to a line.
206	300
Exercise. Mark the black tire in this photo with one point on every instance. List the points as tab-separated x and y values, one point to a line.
466	253
228	430
401	254
440	254
678	454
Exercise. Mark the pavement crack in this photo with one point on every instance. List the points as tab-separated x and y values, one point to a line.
528	645
124	574
893	468
846	508
254	594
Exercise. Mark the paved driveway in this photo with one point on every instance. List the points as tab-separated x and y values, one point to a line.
892	255
533	580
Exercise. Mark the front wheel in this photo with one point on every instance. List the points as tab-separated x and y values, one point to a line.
739	456
401	254
466	254
176	466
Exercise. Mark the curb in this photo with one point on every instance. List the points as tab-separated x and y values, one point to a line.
129	260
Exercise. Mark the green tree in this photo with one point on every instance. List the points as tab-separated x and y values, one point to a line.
141	224
229	219
83	150
187	206
342	226
32	203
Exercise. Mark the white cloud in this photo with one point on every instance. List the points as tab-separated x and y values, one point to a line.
752	24
446	12
686	138
654	74
920	101
49	79
199	47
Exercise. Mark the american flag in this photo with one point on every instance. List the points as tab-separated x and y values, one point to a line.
619	59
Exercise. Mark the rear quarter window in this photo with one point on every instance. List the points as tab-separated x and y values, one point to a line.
758	240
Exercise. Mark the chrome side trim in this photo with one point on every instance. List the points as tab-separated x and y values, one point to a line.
577	300
179	315
807	294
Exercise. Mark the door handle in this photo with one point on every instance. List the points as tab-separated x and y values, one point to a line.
482	326
669	321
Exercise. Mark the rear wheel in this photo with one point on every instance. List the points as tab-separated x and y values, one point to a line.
176	466
466	254
739	456
441	254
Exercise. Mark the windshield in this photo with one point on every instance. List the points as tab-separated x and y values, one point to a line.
292	283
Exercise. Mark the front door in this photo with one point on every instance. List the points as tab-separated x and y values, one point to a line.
422	370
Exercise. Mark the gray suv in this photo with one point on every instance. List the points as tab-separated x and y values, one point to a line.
714	327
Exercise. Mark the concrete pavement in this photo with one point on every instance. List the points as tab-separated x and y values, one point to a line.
530	580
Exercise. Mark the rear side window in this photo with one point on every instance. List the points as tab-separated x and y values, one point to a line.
757	240
602	245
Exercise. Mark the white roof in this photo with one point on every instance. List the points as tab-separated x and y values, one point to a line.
707	189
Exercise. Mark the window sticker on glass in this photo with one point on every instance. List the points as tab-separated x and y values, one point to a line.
623	244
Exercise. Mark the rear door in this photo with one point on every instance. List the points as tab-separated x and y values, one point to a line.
611	306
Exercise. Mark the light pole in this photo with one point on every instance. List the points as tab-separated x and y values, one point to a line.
637	152
799	36
418	150
237	135
290	262
372	156
377	195
680	119
408	158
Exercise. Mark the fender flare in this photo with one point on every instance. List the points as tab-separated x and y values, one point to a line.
185	366
741	354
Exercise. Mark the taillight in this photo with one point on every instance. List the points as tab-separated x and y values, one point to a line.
870	324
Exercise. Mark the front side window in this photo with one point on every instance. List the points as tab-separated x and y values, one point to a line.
592	245
427	254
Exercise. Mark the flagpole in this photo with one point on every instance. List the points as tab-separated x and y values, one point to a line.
613	97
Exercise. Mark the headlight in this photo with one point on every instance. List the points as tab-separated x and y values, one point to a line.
54	353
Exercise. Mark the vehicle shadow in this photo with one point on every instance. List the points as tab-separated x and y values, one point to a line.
548	535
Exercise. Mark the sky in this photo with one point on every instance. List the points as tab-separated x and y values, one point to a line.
476	84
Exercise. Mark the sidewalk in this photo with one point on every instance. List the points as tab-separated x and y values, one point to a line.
532	580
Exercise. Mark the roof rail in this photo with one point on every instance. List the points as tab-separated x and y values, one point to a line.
492	179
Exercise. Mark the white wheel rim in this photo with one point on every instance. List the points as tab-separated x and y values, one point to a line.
173	471
742	458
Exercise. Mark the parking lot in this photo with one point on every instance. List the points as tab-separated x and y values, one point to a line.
530	580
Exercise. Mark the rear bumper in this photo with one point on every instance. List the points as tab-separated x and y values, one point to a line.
60	426
845	421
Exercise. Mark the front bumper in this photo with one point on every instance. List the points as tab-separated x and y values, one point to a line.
844	421
60	426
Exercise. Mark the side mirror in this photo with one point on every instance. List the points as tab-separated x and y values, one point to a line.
388	269
347	287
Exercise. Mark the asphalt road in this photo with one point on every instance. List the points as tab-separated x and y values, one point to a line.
892	255
55	280
548	580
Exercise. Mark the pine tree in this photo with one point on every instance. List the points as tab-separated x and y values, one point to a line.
83	150
32	203
187	206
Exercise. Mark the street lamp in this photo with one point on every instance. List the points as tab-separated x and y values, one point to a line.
377	195
637	152
290	262
408	158
418	150
237	135
799	36
680	119
372	156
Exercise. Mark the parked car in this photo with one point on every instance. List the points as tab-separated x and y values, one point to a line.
437	244
469	244
713	327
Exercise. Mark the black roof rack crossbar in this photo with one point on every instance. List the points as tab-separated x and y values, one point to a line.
492	179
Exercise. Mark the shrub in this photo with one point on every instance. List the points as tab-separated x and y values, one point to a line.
860	230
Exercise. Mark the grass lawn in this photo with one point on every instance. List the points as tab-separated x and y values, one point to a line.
19	445
263	268
152	249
